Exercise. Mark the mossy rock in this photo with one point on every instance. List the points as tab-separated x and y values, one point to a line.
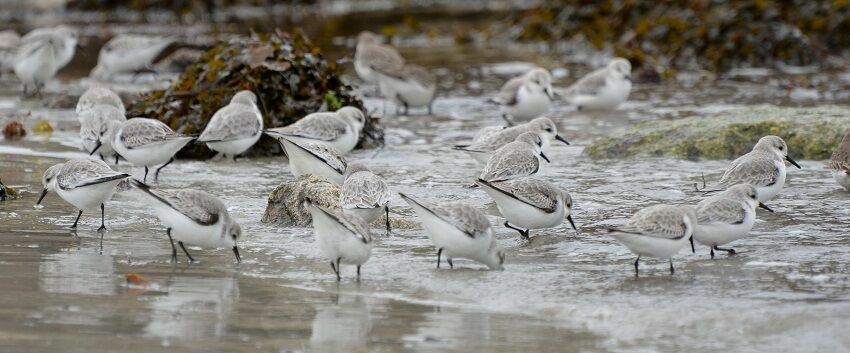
7	193
811	133
286	71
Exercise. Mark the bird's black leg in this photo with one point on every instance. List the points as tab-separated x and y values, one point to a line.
387	210
523	233
730	251
74	226
672	271
338	269
431	108
333	267
636	265
358	272
693	249
145	179
439	252
406	108
156	175
711	251
184	250
102	219
508	120
173	248
116	159
449	260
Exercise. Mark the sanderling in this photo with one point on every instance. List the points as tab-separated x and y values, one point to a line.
69	36
236	127
412	86
37	61
339	129
342	238
525	97
84	183
763	167
193	217
9	42
459	231
490	139
726	217
517	159
94	132
97	95
146	143
129	53
314	158
657	231
365	194
603	89
370	53
530	203
840	163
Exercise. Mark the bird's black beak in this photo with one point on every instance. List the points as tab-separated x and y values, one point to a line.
545	158
693	249
765	207
562	139
96	147
549	94
789	159
572	224
43	194
236	252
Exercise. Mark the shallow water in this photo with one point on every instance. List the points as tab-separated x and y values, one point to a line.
785	290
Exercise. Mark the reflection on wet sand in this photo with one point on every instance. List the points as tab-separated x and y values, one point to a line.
341	327
194	308
77	273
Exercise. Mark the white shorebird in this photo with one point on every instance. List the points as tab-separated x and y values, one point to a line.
370	53
459	231
839	163
127	53
193	217
726	217
339	129
9	43
146	143
236	127
489	139
517	159
37	61
763	168
603	89
314	158
69	36
94	131
525	97
84	183
412	86
530	203
342	238
658	231
364	194
98	95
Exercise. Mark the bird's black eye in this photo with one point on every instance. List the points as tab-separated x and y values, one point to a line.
549	130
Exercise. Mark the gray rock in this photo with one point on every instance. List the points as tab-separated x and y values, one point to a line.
285	202
811	133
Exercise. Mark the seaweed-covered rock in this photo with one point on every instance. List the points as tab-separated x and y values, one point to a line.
6	192
694	33
811	133
285	202
286	71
